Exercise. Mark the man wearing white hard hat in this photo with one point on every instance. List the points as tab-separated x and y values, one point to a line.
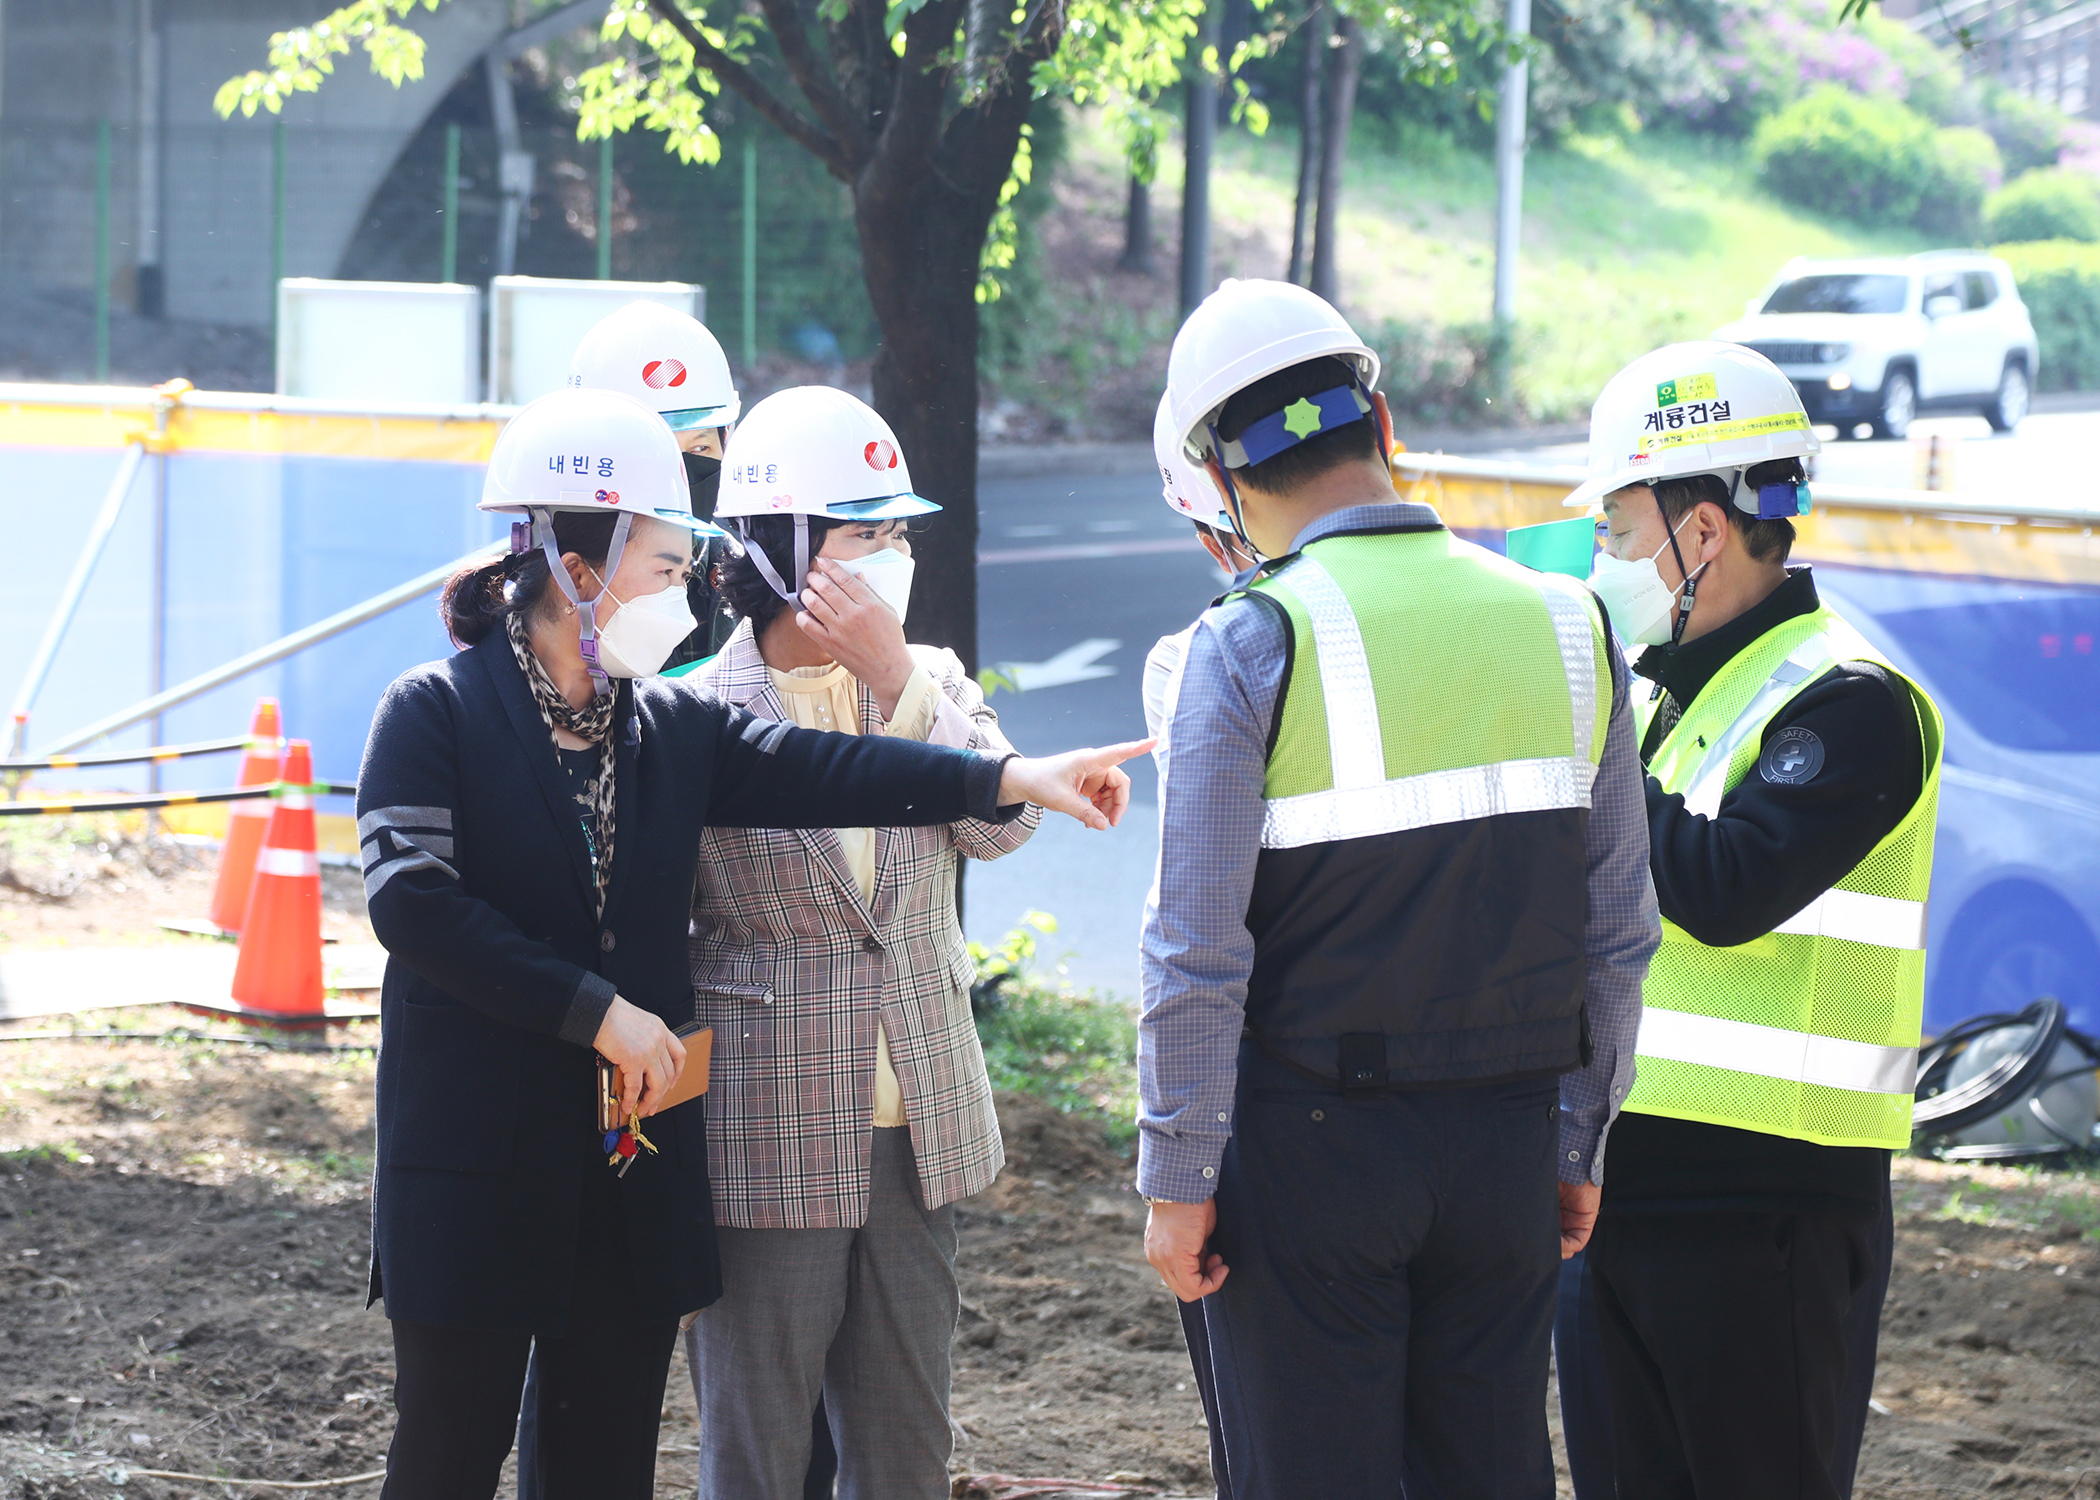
1392	959
1791	796
672	364
845	1128
529	809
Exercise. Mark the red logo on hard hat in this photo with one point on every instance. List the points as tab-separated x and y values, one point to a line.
880	455
659	373
610	497
782	502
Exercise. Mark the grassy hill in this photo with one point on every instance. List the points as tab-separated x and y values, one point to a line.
1627	245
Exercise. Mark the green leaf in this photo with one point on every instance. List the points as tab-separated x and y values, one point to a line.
301	57
894	18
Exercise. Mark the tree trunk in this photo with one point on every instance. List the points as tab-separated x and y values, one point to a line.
1315	37
925	184
921	218
921	272
1137	228
1201	133
1338	106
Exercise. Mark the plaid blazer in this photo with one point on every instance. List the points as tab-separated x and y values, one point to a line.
791	968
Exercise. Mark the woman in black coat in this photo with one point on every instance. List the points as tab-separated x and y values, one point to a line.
516	952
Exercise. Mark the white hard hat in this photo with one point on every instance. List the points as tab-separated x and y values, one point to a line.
1184	485
811	450
1698	408
663	358
1243	332
591	450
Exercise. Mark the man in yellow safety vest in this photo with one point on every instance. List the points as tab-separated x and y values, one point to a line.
1735	1275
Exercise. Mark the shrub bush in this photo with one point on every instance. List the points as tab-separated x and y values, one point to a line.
1964	171
1867	159
2059	280
2051	204
1445	375
1077	1052
2029	133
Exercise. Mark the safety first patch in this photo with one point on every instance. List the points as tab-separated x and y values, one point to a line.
1709	422
1685	388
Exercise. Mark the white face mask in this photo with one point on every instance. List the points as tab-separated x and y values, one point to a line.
1635	596
643	632
887	573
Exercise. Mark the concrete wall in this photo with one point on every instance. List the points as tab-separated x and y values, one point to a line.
205	214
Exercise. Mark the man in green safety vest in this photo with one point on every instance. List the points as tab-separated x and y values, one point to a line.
1735	1276
1392	961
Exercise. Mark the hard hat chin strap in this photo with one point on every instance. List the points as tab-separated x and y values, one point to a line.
586	612
1232	491
764	564
1688	594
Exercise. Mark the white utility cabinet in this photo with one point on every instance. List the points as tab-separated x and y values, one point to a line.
408	343
535	323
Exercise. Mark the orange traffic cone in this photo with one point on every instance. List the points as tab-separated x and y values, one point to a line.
247	820
278	974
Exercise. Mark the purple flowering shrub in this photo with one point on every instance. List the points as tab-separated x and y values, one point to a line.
1779	51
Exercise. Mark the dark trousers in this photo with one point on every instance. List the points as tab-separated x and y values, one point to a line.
1578	1369
599	1390
457	1389
820	1483
1723	1336
1384	1326
1197	1336
1585	1400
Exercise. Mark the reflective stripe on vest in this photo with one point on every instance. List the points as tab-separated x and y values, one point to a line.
1773	1052
1855	916
1810	660
1361	801
1810	1031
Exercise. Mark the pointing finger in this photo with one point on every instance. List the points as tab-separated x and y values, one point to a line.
1115	755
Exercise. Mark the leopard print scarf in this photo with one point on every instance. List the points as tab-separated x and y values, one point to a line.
592	723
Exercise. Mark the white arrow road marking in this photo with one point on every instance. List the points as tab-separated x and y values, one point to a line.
1078	663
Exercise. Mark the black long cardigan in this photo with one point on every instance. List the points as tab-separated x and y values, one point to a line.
478	880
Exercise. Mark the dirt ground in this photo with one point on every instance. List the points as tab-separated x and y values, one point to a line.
182	1265
106	881
182	1241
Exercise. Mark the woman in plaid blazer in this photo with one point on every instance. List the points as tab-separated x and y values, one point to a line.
849	1107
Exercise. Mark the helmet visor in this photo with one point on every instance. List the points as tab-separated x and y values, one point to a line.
888	507
690	522
696	416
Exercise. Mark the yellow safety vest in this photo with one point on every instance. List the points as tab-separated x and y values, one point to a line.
1810	1031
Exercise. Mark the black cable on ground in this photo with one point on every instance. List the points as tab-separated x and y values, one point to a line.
180	1034
2021	1074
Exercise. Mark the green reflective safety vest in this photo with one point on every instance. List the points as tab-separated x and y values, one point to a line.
1810	1031
1422	875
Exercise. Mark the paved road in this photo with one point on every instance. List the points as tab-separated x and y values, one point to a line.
2050	457
1039	599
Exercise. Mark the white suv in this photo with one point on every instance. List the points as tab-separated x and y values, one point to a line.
1875	342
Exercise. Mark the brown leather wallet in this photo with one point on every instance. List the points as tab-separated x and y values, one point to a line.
690	1083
